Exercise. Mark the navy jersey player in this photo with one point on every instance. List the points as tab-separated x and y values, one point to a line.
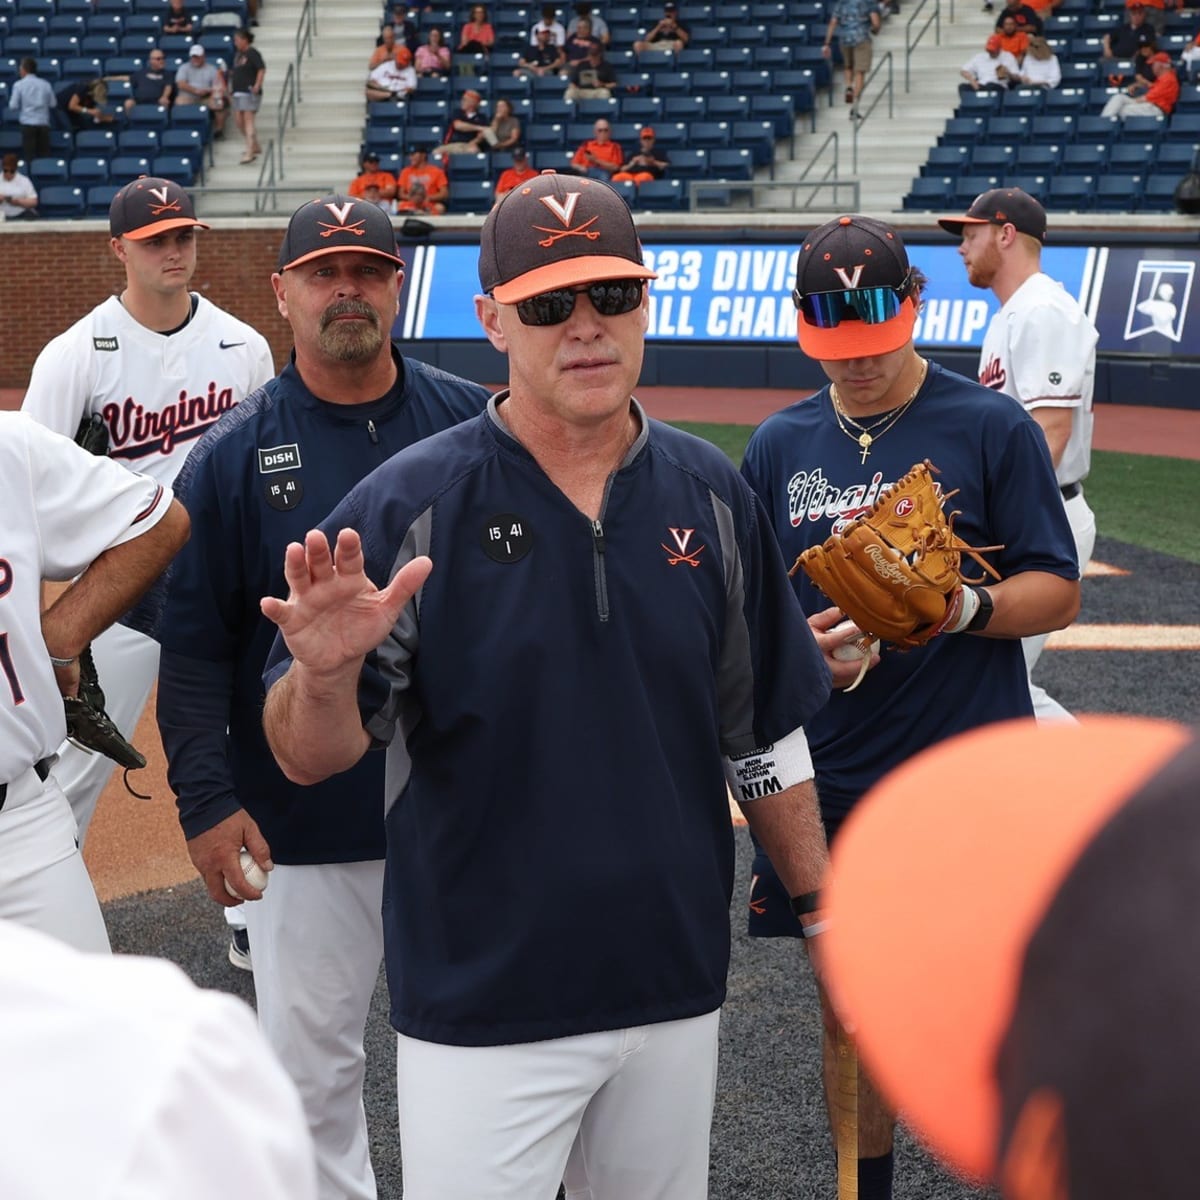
819	463
271	468
606	636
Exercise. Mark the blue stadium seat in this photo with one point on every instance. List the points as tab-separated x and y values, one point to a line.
1033	185
143	142
61	202
1024	101
148	116
712	83
1008	129
389	139
471	196
1117	192
962	131
1159	193
1133	158
967	187
756	136
946	160
607	107
379	112
145	22
96	142
728	108
1065	100
689	163
929	193
989	159
549	135
85	170
734	58
642	108
661	195
99	197
61	45
672	134
710	133
191	116
700	58
1084	158
673	83
730	162
1058	129
556	109
1072	193
124	168
777	109
188	142
1039	159
752	81
1176	156
977	104
47	171
769	58
684	108
468	167
176	167
1093	128
1143	129
1184	127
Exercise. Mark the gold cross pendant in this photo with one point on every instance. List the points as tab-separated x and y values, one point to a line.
865	440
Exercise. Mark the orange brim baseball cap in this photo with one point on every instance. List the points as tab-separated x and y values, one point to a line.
149	207
557	231
854	254
335	224
946	872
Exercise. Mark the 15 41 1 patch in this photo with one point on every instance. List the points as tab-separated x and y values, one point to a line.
505	538
283	492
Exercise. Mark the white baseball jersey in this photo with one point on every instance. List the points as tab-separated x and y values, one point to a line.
1040	349
158	393
59	509
155	1086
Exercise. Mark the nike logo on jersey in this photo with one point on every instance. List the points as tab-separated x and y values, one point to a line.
229	345
136	431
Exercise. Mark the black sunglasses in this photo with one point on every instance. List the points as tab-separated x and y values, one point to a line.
872	305
610	298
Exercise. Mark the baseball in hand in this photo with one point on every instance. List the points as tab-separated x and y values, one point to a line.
856	645
256	877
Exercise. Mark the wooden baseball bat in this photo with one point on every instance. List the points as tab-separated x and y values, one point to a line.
846	1118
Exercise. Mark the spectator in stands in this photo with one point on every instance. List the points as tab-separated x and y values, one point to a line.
579	44
1127	39
477	36
520	172
246	91
584	12
84	104
592	79
18	196
503	131
373	175
668	36
1040	67
1026	16
177	20
372	195
544	57
854	22
33	100
404	28
1012	39
423	185
198	81
551	22
394	79
1159	99
150	85
599	157
647	164
466	122
1156	13
385	47
433	55
990	69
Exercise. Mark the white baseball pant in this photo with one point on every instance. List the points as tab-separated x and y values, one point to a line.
127	664
614	1115
43	882
316	941
1083	529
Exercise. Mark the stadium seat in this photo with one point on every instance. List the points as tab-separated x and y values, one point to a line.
946	160
187	142
1116	192
1176	156
61	202
710	133
124	168
1024	101
1084	158
1033	185
471	196
1131	157
646	109
758	137
929	193
1070	192
1159	193
99	198
689	163
1093	128
685	108
1039	159
85	170
992	159
464	167
712	83
734	58
1057	129
61	45
192	116
967	187
148	116
978	104
700	58
96	142
1065	101
752	81
176	167
661	195
673	83
728	108
730	162
47	171
143	142
550	135
1008	129
1142	129
672	134
555	109
962	131
777	109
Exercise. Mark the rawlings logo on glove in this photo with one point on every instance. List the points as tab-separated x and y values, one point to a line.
895	571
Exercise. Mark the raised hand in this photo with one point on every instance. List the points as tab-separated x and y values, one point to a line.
334	614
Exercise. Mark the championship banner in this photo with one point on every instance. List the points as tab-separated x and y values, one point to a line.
1139	299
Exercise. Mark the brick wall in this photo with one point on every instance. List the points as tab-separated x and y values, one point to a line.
50	277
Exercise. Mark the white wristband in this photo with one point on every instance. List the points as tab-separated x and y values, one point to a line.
966	614
769	769
63	662
815	928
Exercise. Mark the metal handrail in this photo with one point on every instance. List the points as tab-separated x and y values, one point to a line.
911	42
286	114
762	189
306	30
266	179
831	138
887	90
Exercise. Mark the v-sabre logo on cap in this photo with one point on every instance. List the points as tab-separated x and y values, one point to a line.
150	206
334	224
556	231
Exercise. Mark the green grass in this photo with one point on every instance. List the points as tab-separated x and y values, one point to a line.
1139	498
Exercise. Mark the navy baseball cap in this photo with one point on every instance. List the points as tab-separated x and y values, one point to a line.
555	231
857	266
334	224
1002	206
149	206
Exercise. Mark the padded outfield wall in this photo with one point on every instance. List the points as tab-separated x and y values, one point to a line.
721	314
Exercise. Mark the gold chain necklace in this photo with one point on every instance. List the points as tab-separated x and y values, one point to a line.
866	436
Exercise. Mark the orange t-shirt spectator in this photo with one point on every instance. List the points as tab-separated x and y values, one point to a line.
426	178
1164	91
1013	39
599	157
385	181
520	172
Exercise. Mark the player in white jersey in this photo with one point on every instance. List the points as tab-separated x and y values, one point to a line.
62	512
1040	348
157	1087
161	364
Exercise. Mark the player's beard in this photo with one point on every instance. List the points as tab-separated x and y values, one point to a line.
350	341
981	270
